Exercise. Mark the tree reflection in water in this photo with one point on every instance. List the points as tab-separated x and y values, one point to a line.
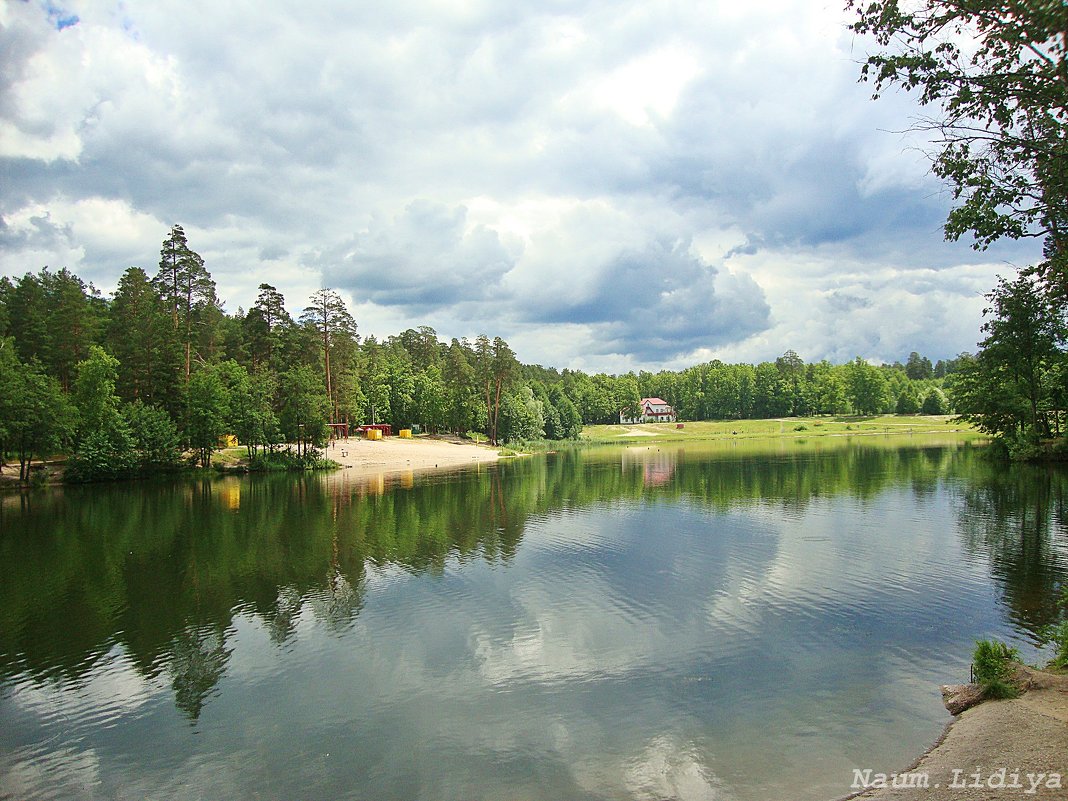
162	570
1016	520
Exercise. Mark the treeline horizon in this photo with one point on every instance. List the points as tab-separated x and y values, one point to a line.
163	346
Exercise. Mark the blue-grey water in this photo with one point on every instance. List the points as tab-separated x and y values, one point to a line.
642	623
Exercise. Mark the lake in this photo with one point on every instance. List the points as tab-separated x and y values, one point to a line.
728	621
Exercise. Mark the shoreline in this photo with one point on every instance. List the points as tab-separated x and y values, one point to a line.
361	458
999	749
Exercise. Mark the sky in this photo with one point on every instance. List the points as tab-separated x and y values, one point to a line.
610	185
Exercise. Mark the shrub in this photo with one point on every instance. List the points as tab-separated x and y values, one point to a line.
992	666
103	455
269	461
1057	634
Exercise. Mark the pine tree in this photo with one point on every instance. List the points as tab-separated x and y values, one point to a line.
6	289
262	323
73	322
495	367
143	339
186	287
28	320
327	314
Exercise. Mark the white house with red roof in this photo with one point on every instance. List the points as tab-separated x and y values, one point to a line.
653	410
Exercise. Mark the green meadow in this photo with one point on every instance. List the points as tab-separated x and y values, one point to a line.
799	427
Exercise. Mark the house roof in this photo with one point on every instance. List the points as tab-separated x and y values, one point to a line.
655	401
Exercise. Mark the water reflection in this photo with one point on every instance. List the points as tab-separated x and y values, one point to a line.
198	660
604	623
1017	522
657	465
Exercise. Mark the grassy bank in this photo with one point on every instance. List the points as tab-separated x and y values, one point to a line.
807	427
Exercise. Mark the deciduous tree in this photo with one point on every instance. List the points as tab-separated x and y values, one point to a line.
1002	390
996	74
207	412
305	408
36	417
866	386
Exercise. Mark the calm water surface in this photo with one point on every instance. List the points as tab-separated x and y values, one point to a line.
726	622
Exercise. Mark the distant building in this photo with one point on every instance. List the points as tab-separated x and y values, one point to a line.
653	410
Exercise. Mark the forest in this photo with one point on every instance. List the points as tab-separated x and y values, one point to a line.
128	384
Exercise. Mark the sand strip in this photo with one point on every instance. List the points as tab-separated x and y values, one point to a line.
361	457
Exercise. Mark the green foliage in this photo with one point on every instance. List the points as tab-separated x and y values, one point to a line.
521	417
327	315
141	335
188	293
5	293
53	317
495	369
29	324
992	667
918	368
37	418
1007	388
155	438
262	328
207	412
867	388
105	447
304	407
94	391
276	373
102	455
934	403
908	402
74	321
287	460
995	72
1056	634
570	420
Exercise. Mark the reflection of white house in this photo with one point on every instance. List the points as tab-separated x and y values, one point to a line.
653	410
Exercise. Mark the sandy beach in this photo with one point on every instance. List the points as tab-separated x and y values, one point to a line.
361	457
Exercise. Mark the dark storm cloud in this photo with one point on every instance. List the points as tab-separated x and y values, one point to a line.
844	302
661	303
42	233
426	257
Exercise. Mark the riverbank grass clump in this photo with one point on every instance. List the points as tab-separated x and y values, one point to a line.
1056	634
992	666
290	460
